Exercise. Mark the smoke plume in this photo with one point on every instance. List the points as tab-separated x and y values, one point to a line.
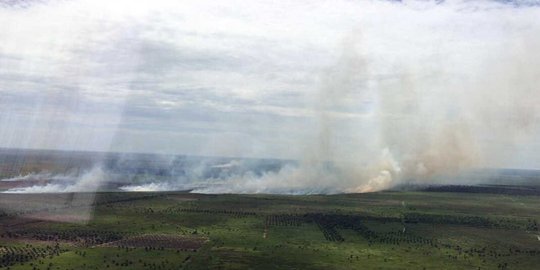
389	94
89	181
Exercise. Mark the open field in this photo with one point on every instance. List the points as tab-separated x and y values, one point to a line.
177	230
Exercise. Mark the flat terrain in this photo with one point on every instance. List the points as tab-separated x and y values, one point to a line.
178	230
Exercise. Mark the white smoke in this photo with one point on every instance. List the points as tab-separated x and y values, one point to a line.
166	186
231	164
452	113
149	187
37	177
419	90
89	181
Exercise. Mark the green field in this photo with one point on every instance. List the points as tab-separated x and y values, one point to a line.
385	230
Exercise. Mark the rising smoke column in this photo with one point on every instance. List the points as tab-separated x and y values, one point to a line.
457	104
326	166
423	90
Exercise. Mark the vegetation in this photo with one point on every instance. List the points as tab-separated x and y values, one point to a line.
177	230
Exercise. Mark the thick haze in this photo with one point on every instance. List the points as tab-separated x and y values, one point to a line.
376	90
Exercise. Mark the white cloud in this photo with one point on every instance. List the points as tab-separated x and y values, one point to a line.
252	70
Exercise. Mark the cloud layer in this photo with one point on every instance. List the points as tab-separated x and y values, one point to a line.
447	83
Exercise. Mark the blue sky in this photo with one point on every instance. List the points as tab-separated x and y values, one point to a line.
286	79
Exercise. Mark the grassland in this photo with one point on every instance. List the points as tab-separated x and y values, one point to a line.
177	230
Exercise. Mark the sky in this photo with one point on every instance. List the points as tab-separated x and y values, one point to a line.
346	80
